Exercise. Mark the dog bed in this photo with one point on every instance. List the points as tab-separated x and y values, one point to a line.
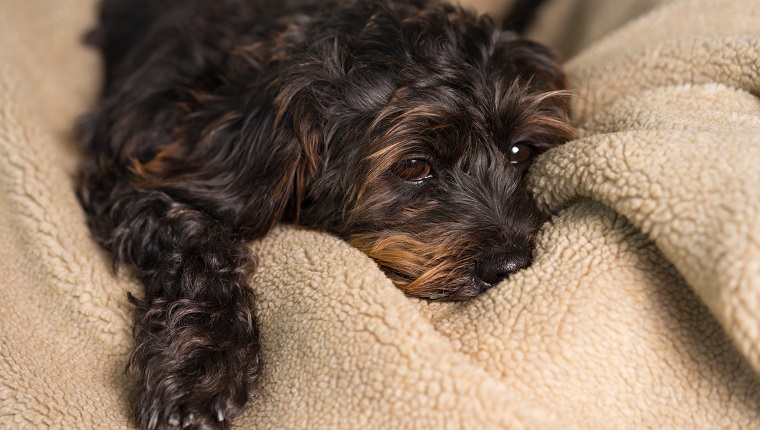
641	310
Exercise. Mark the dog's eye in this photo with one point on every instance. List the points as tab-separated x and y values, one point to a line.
413	170
520	153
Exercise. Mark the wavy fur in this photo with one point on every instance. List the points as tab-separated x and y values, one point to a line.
221	118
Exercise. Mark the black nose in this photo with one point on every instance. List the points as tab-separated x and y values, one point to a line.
497	266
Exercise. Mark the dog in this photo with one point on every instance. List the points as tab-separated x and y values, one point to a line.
403	127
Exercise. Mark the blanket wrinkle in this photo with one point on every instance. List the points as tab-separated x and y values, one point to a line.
641	309
699	60
413	362
727	61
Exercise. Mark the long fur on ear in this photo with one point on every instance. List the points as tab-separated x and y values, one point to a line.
547	75
245	152
239	164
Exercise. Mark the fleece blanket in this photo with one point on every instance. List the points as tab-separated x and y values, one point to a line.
641	310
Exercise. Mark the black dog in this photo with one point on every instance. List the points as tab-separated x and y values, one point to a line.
403	127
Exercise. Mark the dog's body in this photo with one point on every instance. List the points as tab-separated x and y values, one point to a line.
402	127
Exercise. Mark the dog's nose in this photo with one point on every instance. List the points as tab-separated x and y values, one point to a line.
499	265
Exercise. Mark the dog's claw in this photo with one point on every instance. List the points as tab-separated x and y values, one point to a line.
219	415
173	419
188	420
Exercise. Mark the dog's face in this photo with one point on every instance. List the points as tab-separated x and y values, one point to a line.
426	126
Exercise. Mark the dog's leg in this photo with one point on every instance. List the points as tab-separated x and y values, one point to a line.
195	334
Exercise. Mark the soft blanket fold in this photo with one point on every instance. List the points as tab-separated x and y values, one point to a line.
642	307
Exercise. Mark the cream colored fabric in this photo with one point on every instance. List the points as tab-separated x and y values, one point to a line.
642	309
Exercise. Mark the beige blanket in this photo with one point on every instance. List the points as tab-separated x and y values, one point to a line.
642	309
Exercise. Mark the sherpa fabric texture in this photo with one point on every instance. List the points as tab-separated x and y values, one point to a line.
641	310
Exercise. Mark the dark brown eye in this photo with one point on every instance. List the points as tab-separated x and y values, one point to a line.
520	153
413	169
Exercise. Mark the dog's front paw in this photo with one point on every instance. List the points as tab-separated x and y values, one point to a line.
192	395
205	394
197	364
185	410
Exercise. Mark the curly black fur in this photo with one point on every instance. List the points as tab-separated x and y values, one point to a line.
403	127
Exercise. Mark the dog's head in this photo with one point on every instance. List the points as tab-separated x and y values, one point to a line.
406	130
427	122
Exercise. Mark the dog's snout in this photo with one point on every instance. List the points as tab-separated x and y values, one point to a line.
498	266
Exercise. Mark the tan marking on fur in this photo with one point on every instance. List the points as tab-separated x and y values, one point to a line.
427	265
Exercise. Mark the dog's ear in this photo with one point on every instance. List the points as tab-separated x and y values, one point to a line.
535	62
248	154
240	158
299	120
534	90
